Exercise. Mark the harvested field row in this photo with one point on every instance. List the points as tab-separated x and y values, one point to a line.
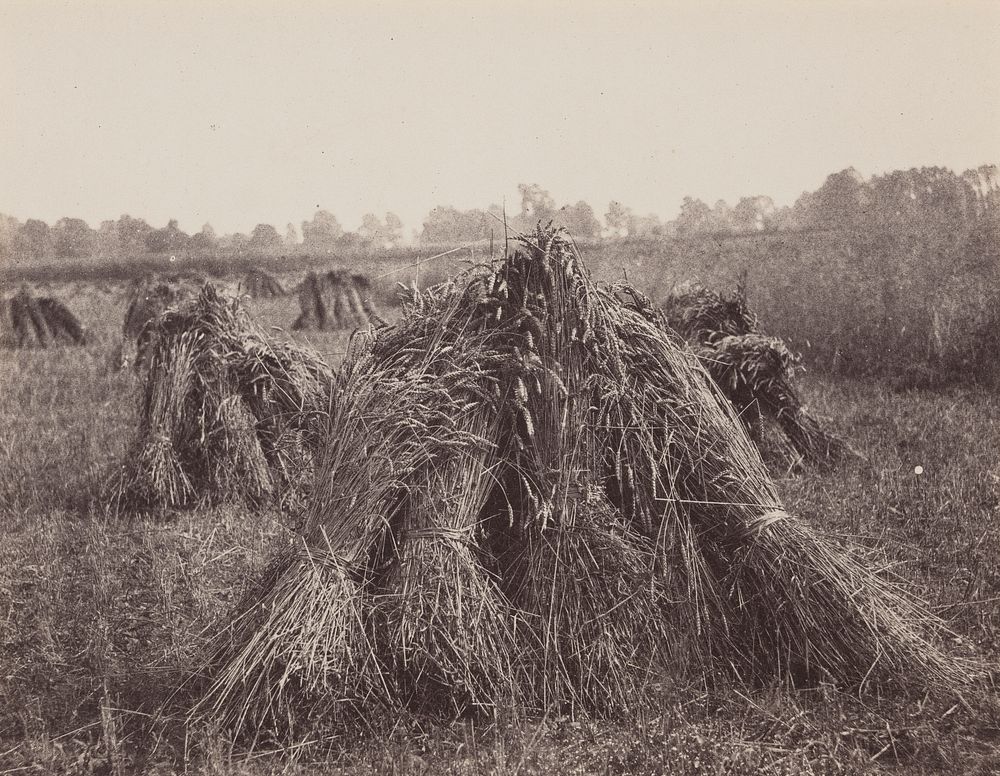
333	300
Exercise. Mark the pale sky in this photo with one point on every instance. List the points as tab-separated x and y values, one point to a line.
248	112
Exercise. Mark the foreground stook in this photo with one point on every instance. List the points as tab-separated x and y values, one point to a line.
531	498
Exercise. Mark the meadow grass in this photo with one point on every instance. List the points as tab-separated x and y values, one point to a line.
103	619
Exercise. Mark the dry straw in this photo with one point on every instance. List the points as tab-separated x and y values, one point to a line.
532	497
149	298
702	316
756	373
225	414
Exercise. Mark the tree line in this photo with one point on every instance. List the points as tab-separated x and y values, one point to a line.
928	196
73	238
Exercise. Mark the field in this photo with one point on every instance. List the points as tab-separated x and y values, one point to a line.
916	304
103	618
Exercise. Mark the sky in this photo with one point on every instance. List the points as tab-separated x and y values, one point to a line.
239	113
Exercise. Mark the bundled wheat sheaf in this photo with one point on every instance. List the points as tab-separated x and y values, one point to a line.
260	285
333	300
225	413
531	497
148	298
29	321
755	373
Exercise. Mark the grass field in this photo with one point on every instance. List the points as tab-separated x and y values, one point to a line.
102	619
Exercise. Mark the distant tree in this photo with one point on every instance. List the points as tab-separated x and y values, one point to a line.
73	239
291	236
132	234
803	211
237	241
947	196
169	239
156	241
33	240
695	217
579	220
785	218
380	234
352	241
322	233
371	230
622	222
648	226
984	189
449	225
393	229
619	220
205	240
842	201
107	239
925	196
264	238
753	214
8	233
721	217
536	205
443	225
177	238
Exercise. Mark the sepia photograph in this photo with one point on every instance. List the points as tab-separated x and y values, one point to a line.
500	388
